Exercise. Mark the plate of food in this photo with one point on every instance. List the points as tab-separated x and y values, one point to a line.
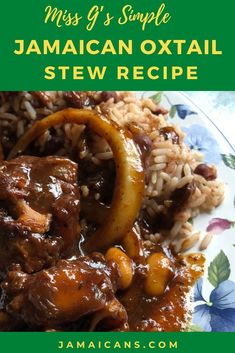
116	214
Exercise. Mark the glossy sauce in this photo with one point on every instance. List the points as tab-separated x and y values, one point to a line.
169	311
46	282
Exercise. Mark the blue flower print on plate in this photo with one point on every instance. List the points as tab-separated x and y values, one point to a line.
183	110
217	315
200	139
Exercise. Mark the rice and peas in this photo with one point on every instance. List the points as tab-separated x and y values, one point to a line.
170	165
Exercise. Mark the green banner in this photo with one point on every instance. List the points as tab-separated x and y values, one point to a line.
121	45
57	342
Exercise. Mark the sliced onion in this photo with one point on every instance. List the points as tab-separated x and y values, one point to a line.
129	184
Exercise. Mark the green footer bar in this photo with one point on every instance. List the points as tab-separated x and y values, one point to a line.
55	342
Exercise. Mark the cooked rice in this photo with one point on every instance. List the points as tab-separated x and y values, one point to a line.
171	165
206	241
190	242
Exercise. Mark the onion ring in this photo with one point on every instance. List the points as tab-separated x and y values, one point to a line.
129	184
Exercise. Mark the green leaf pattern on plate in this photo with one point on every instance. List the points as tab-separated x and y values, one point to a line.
157	97
219	269
229	160
194	328
172	111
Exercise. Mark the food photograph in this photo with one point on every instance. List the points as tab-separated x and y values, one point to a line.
116	212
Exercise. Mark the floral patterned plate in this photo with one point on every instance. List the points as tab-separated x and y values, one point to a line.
214	294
